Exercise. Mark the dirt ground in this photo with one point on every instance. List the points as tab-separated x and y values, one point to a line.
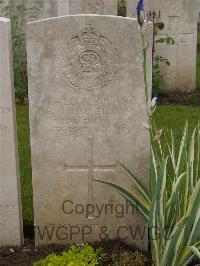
27	254
181	98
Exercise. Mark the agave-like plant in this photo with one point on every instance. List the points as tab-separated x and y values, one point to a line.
172	204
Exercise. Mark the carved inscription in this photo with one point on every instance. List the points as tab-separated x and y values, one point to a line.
90	168
4	109
3	128
173	23
86	115
5	207
93	6
186	38
89	61
34	9
174	7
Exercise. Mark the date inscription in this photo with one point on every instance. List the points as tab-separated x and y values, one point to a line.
86	115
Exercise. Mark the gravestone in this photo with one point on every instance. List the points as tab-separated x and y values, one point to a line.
103	7
87	109
180	19
10	203
32	10
23	11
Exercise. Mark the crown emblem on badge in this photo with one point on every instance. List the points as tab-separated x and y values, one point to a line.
89	36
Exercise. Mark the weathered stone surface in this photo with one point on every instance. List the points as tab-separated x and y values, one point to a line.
41	9
32	10
87	109
102	7
180	18
10	203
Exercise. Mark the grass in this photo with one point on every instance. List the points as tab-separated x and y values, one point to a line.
165	117
198	37
198	71
25	161
198	64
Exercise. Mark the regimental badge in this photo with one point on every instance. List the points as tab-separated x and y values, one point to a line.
89	61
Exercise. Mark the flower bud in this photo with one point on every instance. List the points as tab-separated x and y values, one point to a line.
140	12
151	106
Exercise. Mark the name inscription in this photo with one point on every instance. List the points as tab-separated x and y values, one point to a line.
97	114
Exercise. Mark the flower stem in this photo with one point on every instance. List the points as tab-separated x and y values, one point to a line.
144	46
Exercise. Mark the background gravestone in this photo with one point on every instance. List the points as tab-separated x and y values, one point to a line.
20	12
87	109
103	7
10	203
180	18
32	10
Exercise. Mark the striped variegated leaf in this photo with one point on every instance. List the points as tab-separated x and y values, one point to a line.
187	255
195	251
134	197
169	250
197	155
191	160
183	146
154	174
138	184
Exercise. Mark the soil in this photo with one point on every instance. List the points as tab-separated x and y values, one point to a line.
180	98
27	254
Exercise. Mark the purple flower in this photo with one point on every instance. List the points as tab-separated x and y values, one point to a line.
140	12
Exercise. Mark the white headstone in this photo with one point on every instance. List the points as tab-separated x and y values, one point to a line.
41	9
180	19
102	7
87	109
10	203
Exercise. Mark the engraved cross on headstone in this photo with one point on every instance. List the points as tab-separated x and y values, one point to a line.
90	168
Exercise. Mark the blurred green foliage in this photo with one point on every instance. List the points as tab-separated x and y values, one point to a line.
16	12
122	8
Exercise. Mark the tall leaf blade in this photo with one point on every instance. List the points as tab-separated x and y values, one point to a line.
168	254
180	162
195	250
134	197
139	186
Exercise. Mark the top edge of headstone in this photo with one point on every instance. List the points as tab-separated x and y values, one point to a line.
3	19
82	15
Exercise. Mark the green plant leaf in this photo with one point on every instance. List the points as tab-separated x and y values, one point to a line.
195	250
168	254
138	184
182	151
134	197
